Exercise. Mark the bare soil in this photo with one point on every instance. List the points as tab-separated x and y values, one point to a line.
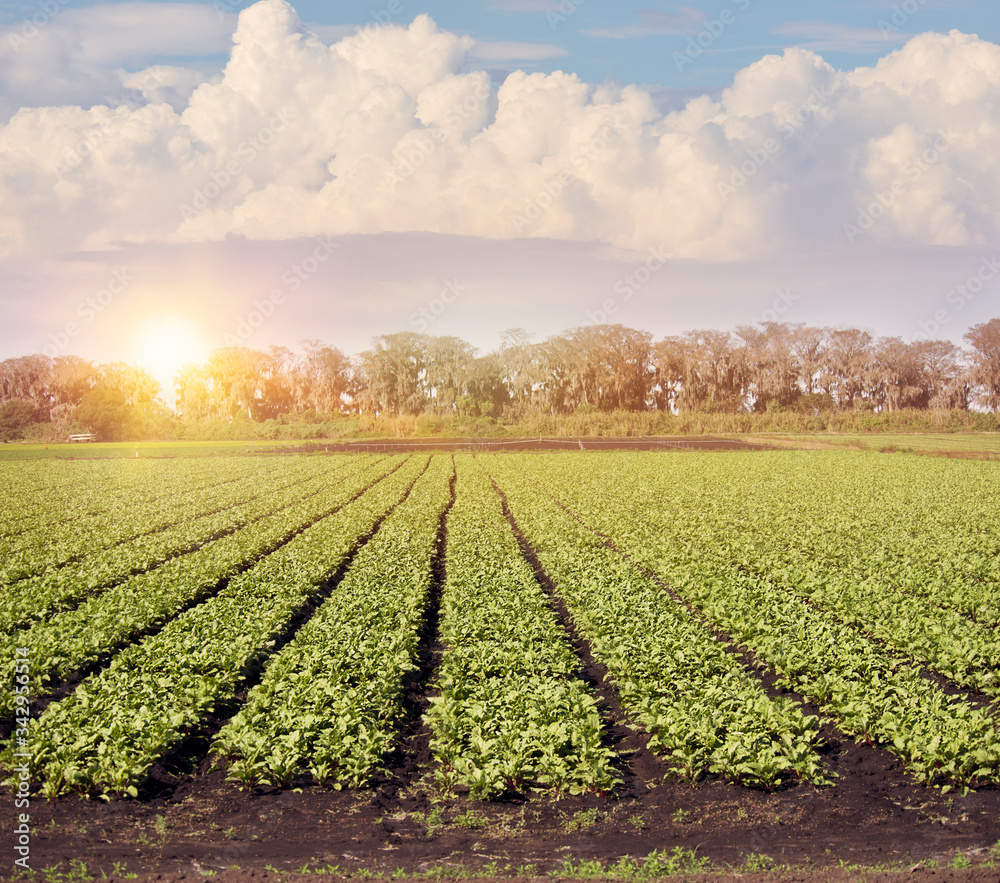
198	823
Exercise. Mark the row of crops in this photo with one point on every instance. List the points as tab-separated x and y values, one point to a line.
291	618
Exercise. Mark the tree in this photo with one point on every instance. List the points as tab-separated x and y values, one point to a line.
770	365
71	378
191	392
945	377
619	364
704	371
448	373
105	413
985	373
15	417
809	347
520	369
322	379
138	387
392	374
28	378
847	366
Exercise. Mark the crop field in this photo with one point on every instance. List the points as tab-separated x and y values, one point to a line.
647	638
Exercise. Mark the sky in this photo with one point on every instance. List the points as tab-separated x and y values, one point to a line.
181	176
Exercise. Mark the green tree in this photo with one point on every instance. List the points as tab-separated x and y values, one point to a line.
105	413
15	417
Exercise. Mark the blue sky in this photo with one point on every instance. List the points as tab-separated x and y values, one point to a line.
637	42
839	160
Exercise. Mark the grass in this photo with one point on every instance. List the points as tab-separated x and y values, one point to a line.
217	435
129	450
943	443
657	864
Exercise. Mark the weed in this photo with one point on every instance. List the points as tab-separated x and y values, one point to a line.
756	861
471	819
585	818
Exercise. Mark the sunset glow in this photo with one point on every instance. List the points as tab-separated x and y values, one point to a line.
164	345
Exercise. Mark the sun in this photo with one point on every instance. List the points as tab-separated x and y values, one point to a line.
163	345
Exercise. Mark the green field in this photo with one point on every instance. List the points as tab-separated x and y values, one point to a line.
177	587
134	450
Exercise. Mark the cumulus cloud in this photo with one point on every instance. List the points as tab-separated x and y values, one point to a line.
389	130
61	55
120	33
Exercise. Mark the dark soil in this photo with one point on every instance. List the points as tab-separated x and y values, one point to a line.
201	823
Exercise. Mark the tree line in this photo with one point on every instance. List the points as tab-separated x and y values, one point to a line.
756	368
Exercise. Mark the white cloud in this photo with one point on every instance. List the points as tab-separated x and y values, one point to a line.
513	51
333	33
77	56
387	130
121	33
